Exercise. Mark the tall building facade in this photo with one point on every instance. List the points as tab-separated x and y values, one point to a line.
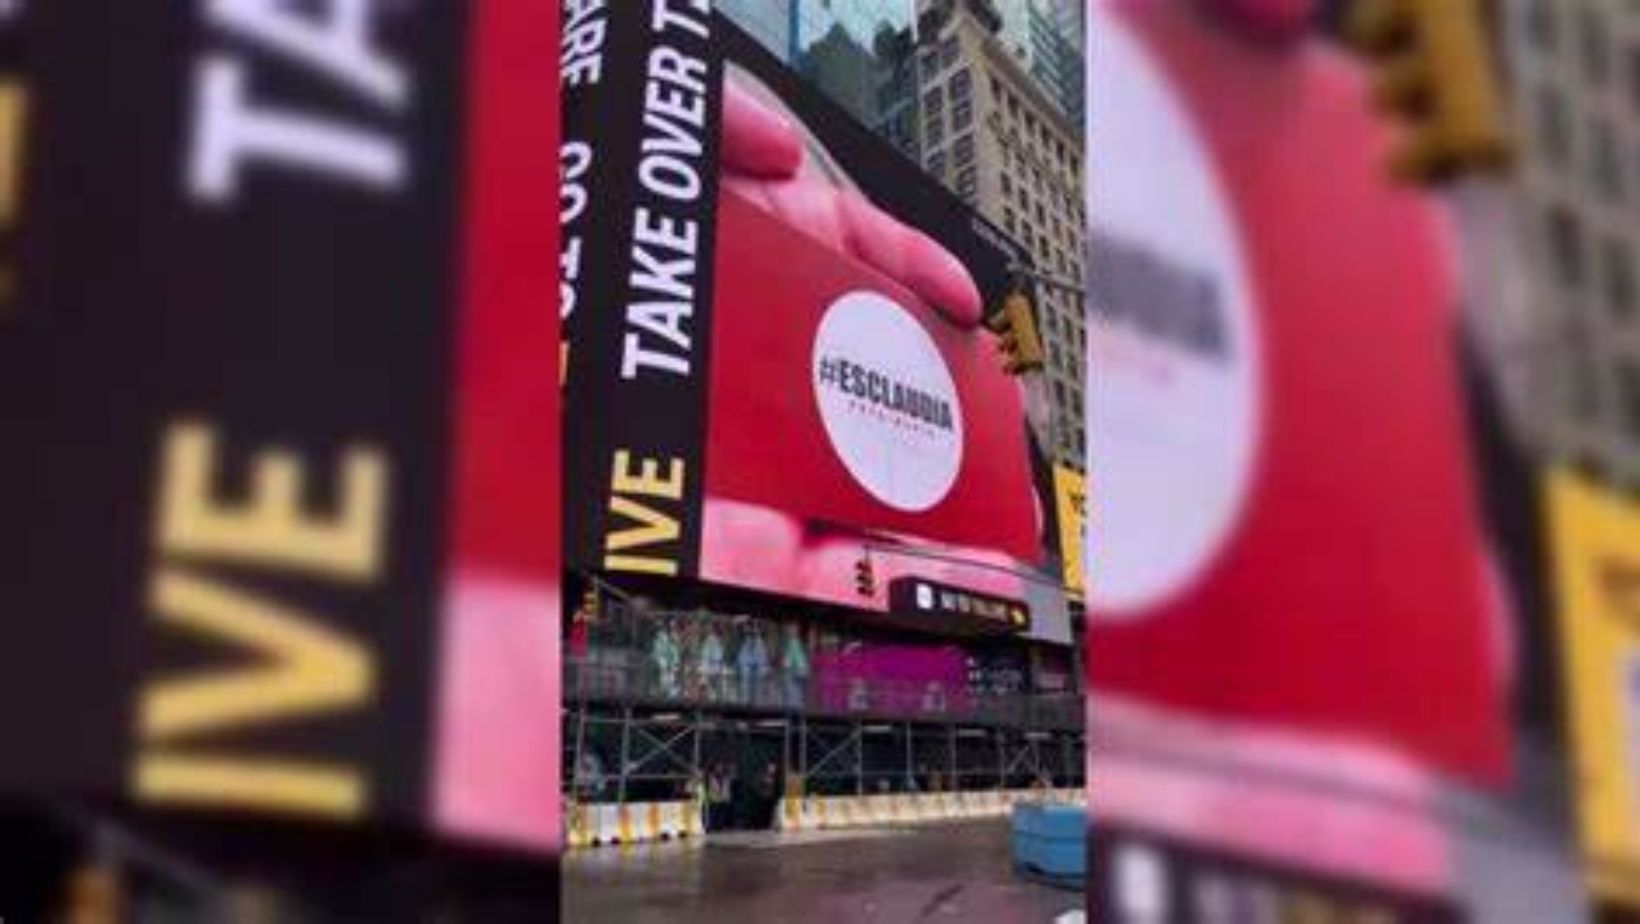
774	23
857	52
1048	37
1574	70
993	132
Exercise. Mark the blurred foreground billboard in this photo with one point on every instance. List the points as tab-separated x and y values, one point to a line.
280	338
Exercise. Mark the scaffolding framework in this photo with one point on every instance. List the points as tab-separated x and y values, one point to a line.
644	751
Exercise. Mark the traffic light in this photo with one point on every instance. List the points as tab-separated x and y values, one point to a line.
865	579
589	603
1436	71
1017	337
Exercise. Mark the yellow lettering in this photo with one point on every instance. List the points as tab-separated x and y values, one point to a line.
254	782
653	526
306	667
13	113
640	564
271	529
13	109
647	481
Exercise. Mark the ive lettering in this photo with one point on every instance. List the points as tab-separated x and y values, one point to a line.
289	664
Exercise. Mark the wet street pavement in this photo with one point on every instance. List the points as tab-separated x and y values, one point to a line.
947	872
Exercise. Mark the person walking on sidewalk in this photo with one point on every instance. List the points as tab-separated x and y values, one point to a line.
719	793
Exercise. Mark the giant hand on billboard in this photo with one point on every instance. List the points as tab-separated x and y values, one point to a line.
764	162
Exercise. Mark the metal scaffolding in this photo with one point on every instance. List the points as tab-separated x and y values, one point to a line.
636	750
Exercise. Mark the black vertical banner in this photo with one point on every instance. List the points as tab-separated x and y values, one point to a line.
642	86
226	402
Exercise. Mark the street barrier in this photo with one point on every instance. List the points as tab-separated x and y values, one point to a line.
608	824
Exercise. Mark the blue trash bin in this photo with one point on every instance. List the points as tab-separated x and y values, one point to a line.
1050	843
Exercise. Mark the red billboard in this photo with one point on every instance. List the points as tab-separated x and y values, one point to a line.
784	374
1284	529
839	396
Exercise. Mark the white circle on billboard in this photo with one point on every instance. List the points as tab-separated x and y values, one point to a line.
1174	366
888	402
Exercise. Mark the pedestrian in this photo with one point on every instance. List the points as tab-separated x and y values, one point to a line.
766	797
718	796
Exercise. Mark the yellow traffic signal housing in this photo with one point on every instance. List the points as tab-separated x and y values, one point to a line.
1436	70
1017	336
865	579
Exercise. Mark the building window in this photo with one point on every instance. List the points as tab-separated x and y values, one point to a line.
1620	281
962	85
1008	219
962	114
1608	168
932	101
1541	24
1585	381
962	150
948	51
934	129
1007	185
1566	247
936	164
1597	62
1554	126
1634	76
966	184
1628	380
